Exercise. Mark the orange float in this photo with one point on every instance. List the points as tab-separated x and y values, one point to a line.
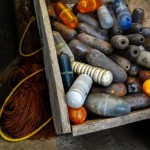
146	87
77	115
65	14
85	6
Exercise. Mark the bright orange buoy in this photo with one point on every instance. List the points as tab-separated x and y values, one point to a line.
146	87
77	115
65	14
85	6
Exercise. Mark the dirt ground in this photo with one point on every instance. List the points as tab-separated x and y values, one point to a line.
122	138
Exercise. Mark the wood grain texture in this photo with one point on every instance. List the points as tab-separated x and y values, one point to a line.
103	124
56	91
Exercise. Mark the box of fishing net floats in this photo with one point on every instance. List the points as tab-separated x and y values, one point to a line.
97	61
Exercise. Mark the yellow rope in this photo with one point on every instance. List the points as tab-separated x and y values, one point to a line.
3	135
22	39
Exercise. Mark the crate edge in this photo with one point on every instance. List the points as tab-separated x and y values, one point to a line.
57	97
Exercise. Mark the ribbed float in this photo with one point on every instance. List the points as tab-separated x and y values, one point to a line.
98	75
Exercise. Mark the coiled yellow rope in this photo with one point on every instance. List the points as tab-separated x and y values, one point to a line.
3	135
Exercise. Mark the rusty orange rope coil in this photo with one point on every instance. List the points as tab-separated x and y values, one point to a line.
26	112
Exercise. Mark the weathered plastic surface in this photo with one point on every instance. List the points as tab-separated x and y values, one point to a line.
85	6
117	89
67	33
66	71
123	14
137	101
141	48
138	15
147	44
134	69
133	85
96	43
115	28
104	17
134	88
132	52
136	39
119	42
78	92
143	4
84	27
123	62
131	79
144	75
65	14
107	105
144	59
146	32
98	59
61	45
88	19
79	49
98	75
135	28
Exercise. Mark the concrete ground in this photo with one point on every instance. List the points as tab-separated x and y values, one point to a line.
135	136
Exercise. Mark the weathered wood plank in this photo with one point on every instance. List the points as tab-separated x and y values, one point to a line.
102	124
56	91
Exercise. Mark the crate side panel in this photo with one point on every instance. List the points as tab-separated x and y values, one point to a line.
102	124
56	91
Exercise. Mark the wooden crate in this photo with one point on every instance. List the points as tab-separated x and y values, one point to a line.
56	91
